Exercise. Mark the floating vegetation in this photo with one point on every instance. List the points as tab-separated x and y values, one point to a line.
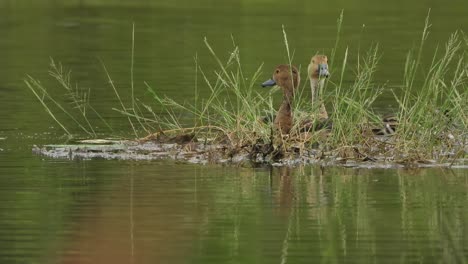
428	129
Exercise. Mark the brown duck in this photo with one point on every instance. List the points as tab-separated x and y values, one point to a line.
288	79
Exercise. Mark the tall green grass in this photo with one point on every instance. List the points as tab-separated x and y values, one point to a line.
233	107
433	116
79	109
352	106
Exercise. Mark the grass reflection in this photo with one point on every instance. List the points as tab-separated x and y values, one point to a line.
337	214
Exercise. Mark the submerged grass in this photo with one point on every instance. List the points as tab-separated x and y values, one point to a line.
432	118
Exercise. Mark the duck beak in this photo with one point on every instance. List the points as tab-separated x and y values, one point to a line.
323	70
269	83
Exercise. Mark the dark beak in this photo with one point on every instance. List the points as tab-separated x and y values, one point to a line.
323	70
269	83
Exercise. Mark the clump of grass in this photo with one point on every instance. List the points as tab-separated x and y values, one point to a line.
233	108
352	106
432	119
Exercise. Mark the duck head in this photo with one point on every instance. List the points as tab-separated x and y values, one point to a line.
318	67
285	77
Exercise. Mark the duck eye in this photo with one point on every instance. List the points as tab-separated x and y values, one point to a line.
277	71
294	72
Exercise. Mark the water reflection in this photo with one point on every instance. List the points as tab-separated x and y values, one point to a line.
142	213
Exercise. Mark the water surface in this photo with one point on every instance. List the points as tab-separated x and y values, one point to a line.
60	211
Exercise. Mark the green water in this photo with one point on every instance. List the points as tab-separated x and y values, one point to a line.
60	211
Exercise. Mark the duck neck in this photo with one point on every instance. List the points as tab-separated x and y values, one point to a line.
315	86
288	98
284	117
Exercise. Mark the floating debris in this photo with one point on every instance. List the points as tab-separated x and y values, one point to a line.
252	156
97	141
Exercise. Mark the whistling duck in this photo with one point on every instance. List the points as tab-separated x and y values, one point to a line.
318	71
288	79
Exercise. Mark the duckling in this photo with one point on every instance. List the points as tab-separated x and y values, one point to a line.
390	123
317	72
288	79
